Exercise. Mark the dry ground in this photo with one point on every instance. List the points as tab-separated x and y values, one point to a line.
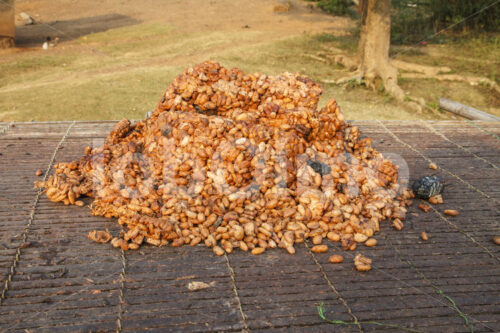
116	57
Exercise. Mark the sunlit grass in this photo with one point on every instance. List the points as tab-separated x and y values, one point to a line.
123	72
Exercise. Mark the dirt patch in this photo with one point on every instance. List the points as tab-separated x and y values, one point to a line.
193	15
34	35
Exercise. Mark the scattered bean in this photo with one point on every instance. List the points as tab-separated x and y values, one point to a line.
437	199
258	250
424	207
371	242
319	248
335	259
362	263
451	212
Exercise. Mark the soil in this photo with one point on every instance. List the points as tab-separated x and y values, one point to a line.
70	19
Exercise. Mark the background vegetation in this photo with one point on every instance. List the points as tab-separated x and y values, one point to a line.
414	20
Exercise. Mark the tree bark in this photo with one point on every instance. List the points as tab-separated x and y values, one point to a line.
7	26
373	49
6	42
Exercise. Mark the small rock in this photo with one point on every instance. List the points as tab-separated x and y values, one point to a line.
428	186
319	167
27	19
54	42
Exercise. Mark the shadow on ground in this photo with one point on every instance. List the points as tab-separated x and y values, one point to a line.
30	35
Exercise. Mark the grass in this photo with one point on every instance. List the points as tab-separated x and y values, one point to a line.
467	56
129	33
348	43
28	68
321	314
472	56
123	72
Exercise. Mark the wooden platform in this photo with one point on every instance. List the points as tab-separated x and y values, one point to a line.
53	279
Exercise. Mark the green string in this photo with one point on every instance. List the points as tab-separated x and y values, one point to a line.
484	130
439	291
321	313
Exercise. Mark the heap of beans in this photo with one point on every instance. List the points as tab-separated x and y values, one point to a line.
236	161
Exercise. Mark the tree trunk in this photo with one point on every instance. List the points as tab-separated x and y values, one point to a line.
6	42
373	49
7	26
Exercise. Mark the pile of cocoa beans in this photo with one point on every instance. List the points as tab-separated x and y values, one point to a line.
236	161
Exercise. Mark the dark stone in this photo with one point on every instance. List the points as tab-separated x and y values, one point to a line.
166	131
428	186
340	187
301	129
319	167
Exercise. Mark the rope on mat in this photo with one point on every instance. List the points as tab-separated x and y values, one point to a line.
453	304
121	298
429	126
442	217
430	161
410	286
235	290
321	313
332	287
17	257
484	130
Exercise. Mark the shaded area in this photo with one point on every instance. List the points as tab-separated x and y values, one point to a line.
31	35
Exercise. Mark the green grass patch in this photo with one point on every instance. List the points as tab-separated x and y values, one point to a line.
128	33
348	43
467	56
29	67
130	95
